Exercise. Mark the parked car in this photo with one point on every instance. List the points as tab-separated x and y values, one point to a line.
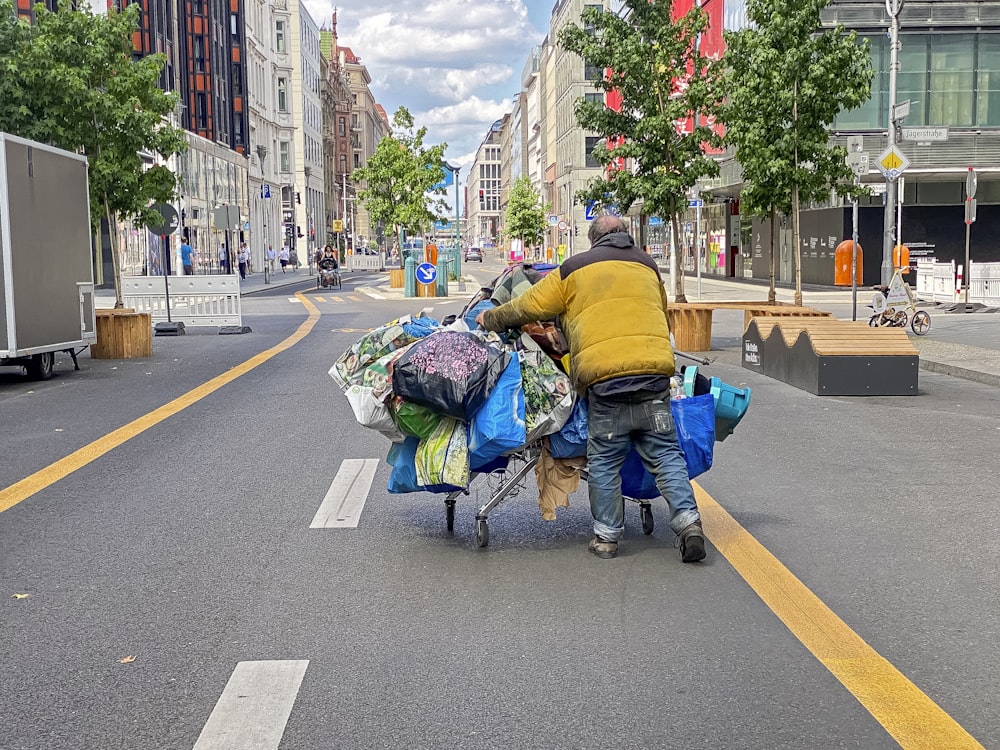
473	253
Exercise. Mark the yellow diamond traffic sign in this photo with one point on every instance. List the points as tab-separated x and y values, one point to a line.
892	163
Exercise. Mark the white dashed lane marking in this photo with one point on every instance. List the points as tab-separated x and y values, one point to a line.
254	707
344	501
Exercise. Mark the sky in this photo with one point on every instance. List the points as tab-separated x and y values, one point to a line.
454	64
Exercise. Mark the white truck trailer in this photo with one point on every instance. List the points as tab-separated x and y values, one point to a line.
46	271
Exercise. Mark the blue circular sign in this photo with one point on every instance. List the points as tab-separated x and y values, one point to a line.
426	273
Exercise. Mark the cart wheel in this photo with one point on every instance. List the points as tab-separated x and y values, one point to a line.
873	321
482	532
646	513
449	514
921	323
900	319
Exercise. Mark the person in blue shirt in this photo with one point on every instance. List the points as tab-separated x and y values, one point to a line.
187	258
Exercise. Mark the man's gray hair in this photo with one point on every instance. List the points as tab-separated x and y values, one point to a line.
603	225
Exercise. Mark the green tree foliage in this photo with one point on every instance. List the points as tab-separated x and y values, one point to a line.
663	80
786	82
398	182
525	216
69	80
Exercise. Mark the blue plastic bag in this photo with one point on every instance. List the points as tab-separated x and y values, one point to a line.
571	440
402	459
470	317
694	419
421	326
498	427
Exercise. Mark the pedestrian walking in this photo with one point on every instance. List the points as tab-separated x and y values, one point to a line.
271	255
613	307
241	259
187	258
283	257
223	258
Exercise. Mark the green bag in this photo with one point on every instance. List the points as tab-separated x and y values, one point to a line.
414	419
443	459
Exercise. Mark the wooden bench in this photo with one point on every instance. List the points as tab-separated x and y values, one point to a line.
691	322
830	357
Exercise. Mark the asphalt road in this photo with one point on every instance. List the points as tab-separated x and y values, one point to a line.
177	556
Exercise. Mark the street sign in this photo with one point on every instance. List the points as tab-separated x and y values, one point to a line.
971	184
924	135
892	163
338	225
859	162
553	220
901	110
169	221
563	226
426	273
696	204
265	191
655	221
855	144
970	211
591	213
442	224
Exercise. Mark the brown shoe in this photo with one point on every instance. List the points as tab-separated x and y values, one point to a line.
603	548
692	542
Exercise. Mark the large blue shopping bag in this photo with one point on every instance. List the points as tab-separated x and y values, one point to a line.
498	426
694	418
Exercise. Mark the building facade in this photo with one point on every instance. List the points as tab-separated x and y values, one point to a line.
338	152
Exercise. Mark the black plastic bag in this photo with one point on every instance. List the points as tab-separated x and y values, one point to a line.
449	372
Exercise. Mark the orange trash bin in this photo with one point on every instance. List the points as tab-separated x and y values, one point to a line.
842	264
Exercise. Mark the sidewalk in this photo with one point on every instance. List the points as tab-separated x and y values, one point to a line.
964	345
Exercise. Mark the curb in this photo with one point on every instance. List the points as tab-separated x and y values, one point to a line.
942	368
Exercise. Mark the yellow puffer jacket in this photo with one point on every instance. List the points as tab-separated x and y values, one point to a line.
612	308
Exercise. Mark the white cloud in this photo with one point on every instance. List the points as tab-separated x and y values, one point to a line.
455	64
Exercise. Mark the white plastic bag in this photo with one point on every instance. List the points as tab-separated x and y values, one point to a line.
372	412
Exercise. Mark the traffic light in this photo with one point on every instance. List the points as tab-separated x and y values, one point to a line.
576	231
298	198
298	232
482	198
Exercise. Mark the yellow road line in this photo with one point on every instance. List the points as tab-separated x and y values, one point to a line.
911	717
22	490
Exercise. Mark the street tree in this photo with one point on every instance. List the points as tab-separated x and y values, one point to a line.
400	184
654	147
787	79
69	80
525	217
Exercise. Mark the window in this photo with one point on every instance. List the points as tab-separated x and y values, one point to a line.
592	72
282	94
357	161
343	163
952	77
279	36
199	54
590	28
342	126
201	111
591	143
988	99
284	157
234	25
911	81
237	79
594	97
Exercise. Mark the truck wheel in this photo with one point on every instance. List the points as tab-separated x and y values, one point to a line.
41	365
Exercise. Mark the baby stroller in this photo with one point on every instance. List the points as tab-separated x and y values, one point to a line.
328	275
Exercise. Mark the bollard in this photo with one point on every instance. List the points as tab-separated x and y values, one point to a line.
410	278
442	276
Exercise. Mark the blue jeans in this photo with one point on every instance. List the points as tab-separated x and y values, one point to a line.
614	424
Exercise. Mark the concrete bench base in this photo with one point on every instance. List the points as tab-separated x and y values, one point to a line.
829	357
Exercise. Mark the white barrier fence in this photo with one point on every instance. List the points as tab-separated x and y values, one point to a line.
938	282
365	262
212	300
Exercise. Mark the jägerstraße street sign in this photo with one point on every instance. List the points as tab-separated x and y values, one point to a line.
924	135
892	163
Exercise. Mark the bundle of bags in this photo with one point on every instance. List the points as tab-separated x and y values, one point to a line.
456	401
453	401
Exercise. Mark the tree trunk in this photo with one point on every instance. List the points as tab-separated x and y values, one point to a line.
771	297
678	260
116	262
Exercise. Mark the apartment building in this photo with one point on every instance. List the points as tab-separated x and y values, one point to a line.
484	187
307	192
338	152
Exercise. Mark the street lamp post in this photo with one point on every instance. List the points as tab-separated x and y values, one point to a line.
458	237
893	8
